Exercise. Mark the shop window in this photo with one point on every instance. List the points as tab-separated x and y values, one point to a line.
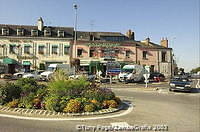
91	53
41	49
54	50
144	54
79	52
26	49
163	57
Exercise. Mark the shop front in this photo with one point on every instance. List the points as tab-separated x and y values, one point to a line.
12	64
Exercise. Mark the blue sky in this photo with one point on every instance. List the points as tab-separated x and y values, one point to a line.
178	20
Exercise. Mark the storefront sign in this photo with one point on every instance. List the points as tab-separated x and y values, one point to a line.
103	44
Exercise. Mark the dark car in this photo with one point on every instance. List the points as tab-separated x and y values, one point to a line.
157	77
180	84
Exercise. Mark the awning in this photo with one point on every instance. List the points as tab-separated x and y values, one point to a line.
26	63
12	44
9	61
41	45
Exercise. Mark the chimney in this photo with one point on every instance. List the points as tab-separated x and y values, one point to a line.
130	35
40	24
164	42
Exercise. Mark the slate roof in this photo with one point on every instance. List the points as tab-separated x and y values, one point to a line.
27	30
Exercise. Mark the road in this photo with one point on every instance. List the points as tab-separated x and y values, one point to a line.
180	112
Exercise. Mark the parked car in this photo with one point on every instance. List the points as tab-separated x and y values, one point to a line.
157	77
35	74
6	76
180	84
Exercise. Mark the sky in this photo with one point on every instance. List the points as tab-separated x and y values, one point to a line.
178	20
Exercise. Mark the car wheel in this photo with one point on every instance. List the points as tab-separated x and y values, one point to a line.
19	76
170	90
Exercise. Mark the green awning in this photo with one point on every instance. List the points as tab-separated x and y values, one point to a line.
26	63
9	61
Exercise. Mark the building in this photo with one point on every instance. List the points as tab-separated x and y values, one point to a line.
34	47
96	49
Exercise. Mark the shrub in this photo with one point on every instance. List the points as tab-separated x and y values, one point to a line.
27	85
113	104
99	94
9	92
68	87
89	108
73	106
52	103
27	101
37	103
109	104
13	104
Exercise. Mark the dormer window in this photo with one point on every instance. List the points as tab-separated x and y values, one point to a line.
34	32
20	32
5	31
47	32
61	33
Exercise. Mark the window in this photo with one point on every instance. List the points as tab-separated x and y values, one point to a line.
26	49
61	33
92	53
12	49
47	32
144	54
66	50
79	52
163	57
20	32
54	49
5	31
127	54
34	32
41	49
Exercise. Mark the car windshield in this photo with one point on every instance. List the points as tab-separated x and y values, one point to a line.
127	70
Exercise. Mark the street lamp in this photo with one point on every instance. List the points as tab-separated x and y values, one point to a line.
75	27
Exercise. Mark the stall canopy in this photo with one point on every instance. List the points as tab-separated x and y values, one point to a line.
9	61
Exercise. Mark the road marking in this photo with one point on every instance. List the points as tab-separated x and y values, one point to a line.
72	119
120	124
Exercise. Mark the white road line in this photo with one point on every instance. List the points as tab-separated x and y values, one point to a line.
72	119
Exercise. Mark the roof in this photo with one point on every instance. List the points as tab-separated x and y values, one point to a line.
27	30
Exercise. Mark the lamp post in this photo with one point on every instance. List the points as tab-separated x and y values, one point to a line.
75	27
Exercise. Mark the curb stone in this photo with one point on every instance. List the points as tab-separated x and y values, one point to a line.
46	113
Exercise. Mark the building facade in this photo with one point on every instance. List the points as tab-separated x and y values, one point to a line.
35	47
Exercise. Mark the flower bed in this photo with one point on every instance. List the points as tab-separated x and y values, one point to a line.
60	95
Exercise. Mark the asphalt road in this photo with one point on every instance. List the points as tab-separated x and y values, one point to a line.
180	112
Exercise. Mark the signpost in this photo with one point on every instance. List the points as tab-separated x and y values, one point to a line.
146	75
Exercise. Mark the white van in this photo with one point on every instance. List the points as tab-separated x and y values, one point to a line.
131	73
53	67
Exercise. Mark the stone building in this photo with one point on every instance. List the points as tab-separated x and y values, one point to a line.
34	46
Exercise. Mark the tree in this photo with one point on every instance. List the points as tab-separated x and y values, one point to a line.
195	70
